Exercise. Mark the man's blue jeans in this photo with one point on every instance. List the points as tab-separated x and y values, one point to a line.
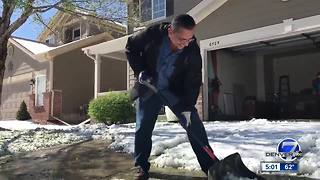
147	113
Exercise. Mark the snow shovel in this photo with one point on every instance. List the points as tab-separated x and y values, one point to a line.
231	166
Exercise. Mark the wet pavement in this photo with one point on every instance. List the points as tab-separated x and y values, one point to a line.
85	160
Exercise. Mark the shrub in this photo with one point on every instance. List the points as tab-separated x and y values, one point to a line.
23	113
115	107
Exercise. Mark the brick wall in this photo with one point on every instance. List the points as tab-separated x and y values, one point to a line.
57	103
41	114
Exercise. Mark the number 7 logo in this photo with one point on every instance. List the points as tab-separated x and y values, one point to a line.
288	144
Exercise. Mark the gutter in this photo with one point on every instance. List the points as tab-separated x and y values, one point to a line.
86	52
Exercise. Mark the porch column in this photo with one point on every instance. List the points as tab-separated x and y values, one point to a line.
128	75
97	75
205	91
261	94
50	75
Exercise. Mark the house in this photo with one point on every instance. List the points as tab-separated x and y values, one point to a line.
53	75
263	54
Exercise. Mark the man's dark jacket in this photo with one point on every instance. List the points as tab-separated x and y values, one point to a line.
142	51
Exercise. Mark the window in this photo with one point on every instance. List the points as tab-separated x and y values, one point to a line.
153	10
158	8
68	35
72	34
40	89
76	33
50	40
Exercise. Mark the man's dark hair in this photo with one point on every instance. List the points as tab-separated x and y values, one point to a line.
182	21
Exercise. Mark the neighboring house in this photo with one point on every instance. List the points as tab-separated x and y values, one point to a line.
53	75
265	54
65	28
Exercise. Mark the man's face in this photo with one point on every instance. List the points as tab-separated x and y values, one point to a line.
181	38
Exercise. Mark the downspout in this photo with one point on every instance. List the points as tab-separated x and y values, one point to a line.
96	60
51	85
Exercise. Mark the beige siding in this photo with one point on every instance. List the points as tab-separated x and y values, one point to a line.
113	75
16	86
183	6
238	15
74	75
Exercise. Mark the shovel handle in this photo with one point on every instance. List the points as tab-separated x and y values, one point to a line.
164	99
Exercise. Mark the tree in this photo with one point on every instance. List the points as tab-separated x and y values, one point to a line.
23	113
112	10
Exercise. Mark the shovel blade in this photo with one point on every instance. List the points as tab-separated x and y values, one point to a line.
233	166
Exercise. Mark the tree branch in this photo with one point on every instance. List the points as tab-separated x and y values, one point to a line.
88	15
43	23
29	9
22	19
42	9
7	11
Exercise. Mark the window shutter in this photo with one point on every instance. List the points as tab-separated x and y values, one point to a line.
169	7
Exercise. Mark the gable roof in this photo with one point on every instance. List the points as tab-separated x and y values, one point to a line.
60	18
33	46
43	52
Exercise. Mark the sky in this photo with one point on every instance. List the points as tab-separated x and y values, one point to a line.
31	29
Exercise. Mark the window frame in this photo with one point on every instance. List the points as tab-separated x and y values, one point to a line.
37	102
152	20
152	10
75	29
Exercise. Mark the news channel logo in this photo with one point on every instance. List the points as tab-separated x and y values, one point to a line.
288	150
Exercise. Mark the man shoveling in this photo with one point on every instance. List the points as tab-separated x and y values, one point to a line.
166	61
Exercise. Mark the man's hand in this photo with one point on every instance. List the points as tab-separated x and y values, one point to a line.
144	77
